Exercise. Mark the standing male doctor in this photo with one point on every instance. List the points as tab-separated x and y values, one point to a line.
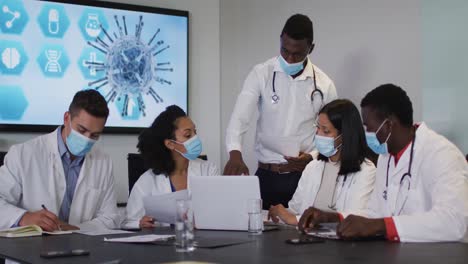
421	186
59	180
288	91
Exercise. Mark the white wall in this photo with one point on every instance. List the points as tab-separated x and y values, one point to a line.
445	67
204	91
359	44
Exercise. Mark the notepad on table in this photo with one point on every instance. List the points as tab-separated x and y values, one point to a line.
28	231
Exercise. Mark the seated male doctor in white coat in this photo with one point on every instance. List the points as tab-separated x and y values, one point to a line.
421	186
63	172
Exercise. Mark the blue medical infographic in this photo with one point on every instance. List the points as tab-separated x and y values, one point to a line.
50	50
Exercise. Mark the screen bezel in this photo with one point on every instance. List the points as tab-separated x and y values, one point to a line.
105	4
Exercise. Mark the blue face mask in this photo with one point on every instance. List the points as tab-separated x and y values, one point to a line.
291	68
193	147
374	143
77	144
326	145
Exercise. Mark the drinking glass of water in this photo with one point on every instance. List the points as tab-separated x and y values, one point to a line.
184	226
254	209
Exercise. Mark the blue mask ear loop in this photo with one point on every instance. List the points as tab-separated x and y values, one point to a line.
179	144
378	129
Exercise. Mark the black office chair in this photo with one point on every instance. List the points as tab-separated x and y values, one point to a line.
2	157
137	166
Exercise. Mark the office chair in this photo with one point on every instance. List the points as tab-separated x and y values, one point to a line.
2	157
137	166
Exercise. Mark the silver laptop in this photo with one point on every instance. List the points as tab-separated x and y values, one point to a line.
220	202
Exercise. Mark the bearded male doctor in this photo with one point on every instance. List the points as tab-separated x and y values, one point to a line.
421	184
59	180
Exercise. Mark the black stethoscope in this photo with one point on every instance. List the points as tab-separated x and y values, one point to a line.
334	199
405	179
275	98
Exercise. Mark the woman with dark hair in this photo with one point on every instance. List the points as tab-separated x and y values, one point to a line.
170	146
340	178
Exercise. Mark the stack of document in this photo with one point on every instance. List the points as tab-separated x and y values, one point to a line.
163	207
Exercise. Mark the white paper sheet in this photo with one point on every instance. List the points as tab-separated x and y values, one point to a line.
286	146
326	230
270	222
266	220
326	234
101	232
163	207
140	239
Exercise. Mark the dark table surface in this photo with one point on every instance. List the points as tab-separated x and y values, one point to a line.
270	247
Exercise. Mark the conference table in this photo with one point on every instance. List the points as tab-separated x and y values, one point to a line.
269	247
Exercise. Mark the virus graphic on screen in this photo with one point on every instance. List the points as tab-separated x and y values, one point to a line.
130	67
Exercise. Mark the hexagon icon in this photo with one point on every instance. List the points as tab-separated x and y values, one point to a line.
13	17
90	55
53	61
13	57
53	21
90	22
13	103
132	109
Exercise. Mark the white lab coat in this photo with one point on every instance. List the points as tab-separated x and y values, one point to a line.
437	205
352	195
33	175
289	123
150	184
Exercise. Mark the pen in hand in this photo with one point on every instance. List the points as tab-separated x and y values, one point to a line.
45	208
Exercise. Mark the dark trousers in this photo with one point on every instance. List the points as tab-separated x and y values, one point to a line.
276	188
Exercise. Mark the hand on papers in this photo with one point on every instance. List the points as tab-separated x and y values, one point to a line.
358	227
279	213
300	162
235	164
147	222
313	216
47	220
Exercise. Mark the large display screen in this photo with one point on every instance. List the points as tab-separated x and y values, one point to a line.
135	56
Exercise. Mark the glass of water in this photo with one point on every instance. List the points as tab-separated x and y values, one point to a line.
184	226
254	209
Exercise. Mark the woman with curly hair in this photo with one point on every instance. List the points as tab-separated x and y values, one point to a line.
170	146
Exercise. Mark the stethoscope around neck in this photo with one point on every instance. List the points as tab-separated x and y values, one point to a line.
275	98
405	180
335	197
